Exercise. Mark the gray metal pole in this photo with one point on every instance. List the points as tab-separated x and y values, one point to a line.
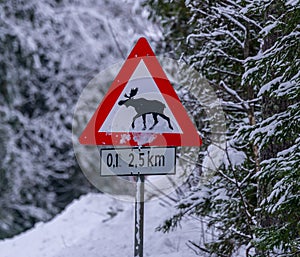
139	217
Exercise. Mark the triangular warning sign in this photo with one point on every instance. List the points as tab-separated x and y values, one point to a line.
141	108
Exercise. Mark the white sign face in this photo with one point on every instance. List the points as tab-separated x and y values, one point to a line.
138	160
141	107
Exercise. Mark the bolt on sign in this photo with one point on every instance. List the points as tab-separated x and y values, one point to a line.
141	109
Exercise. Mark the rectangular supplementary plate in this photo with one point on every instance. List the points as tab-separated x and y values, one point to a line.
137	161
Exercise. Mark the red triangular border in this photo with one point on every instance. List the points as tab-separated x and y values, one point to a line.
141	51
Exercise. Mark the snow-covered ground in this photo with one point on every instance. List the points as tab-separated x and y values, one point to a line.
97	225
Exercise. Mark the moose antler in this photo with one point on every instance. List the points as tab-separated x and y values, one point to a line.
133	92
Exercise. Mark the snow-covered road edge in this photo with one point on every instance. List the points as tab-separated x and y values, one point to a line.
89	227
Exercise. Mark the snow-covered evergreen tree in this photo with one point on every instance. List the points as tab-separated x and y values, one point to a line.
249	51
49	52
274	72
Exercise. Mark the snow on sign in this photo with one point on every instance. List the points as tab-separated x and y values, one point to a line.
141	108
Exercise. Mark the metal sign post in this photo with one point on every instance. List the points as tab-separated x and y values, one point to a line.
139	217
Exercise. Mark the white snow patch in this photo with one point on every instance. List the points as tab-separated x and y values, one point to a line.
214	158
292	2
143	138
124	138
234	157
216	155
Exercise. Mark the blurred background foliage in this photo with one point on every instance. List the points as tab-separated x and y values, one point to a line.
50	50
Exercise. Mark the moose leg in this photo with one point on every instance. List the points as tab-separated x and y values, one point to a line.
167	119
133	120
144	121
155	120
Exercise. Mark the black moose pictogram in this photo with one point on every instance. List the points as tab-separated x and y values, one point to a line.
143	107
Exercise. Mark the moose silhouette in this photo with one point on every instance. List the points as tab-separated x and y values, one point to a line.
143	107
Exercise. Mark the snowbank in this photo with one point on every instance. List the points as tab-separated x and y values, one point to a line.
99	226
